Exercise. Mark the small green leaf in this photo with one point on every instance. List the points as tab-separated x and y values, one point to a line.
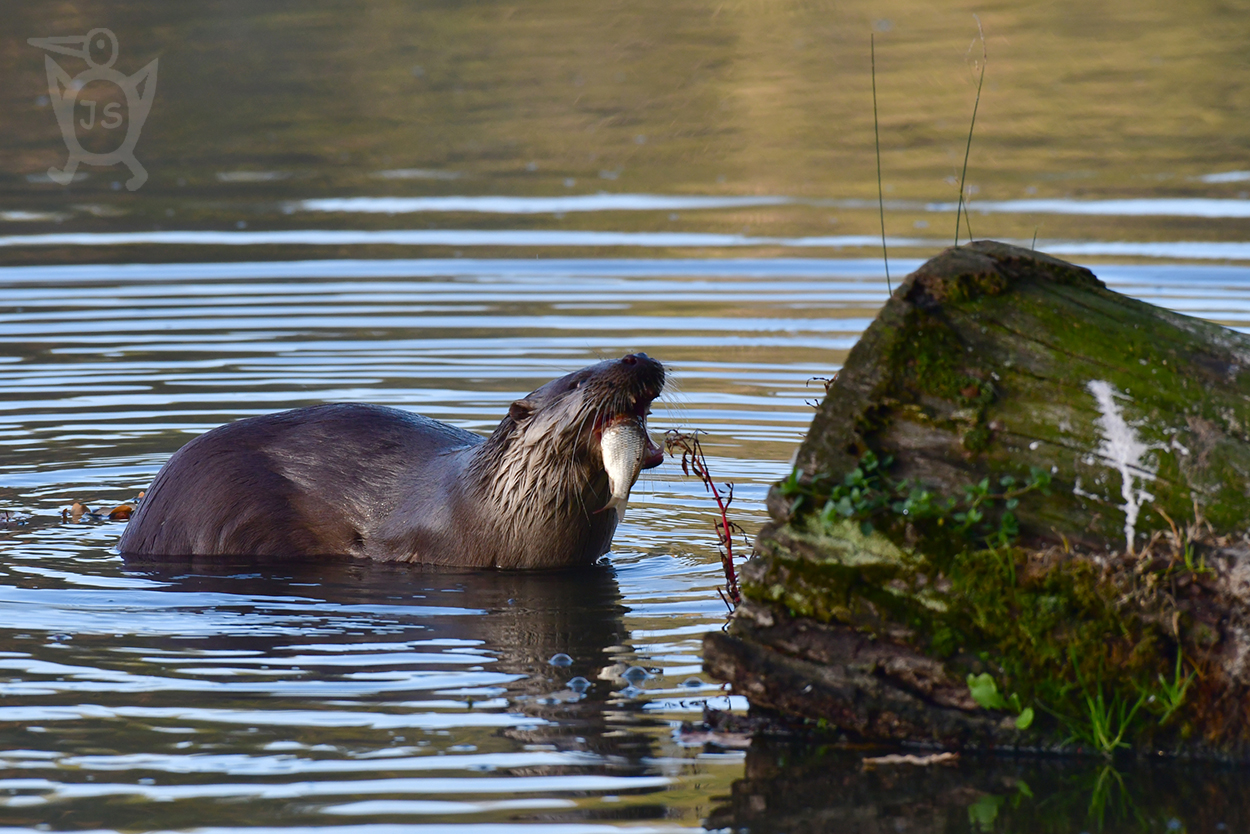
1024	719
985	692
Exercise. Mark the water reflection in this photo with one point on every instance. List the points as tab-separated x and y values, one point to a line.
529	205
397	626
789	789
522	239
361	677
734	124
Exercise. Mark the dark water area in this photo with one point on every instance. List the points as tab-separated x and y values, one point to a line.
826	789
441	206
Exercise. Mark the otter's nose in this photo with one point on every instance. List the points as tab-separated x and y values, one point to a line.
632	358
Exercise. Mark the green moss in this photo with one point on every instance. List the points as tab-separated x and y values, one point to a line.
839	575
969	286
1046	634
1227	507
929	361
976	439
929	357
1172	492
958	275
1077	641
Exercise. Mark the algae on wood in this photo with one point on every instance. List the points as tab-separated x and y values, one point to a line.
1017	519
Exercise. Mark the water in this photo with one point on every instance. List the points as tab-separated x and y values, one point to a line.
439	208
139	697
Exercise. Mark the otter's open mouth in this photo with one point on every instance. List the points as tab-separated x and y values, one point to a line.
652	455
638	380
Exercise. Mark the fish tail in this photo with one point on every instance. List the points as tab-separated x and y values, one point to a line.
616	502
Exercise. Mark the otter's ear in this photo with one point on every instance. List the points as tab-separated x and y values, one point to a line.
520	410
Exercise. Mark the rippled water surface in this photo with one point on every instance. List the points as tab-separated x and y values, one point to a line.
439	207
140	695
175	696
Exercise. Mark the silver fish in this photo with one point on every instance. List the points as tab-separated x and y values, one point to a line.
624	445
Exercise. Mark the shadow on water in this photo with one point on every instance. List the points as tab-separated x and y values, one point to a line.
808	789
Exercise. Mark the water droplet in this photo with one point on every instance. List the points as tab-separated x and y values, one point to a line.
634	674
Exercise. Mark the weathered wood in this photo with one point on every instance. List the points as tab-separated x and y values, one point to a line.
1105	583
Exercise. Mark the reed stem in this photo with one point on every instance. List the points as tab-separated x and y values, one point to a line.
876	135
968	147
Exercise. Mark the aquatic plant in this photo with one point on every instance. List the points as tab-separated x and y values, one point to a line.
694	462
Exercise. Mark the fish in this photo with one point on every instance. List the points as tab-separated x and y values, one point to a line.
624	445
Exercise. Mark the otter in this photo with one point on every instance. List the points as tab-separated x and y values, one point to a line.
365	481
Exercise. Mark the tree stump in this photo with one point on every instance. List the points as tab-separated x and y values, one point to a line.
1019	519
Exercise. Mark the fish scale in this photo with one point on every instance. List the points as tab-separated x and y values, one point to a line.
624	445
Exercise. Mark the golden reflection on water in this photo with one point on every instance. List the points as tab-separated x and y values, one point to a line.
1081	100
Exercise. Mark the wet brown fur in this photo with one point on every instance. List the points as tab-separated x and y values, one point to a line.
373	482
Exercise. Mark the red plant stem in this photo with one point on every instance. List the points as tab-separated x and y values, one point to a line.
693	452
727	538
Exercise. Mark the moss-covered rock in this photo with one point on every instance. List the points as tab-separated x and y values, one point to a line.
1028	495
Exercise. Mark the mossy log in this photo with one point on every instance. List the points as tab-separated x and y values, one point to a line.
1018	520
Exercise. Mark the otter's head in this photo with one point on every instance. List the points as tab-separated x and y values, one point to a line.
550	440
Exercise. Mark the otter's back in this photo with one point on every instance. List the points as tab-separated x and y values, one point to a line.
313	481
